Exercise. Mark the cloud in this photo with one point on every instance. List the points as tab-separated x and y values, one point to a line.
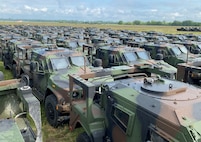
44	9
154	10
176	14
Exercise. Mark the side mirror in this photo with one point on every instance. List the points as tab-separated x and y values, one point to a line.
97	63
196	51
159	56
34	66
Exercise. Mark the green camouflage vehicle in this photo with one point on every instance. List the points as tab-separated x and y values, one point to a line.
135	109
10	50
22	57
18	108
192	46
4	38
47	72
189	72
138	57
170	53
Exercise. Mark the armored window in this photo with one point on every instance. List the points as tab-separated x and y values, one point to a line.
143	55
123	118
130	56
176	51
79	61
183	49
40	66
59	63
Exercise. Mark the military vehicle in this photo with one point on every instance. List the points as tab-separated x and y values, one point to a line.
138	57
192	46
190	29
20	115
47	72
170	53
10	50
135	109
189	72
4	42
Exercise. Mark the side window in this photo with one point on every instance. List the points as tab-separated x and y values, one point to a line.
41	68
123	118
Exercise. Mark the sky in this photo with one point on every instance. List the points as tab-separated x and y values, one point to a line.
104	10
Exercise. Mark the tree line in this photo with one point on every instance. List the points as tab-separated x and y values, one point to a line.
174	23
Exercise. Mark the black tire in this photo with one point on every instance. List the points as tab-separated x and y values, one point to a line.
1	76
50	109
25	79
83	137
14	70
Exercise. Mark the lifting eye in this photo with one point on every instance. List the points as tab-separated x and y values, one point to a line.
170	86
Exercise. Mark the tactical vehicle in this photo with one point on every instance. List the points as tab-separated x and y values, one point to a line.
10	50
192	46
47	72
135	109
170	53
4	42
138	57
20	115
189	72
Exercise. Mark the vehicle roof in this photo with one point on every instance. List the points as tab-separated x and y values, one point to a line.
173	101
121	48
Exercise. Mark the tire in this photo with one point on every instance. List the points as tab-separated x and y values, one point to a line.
14	71
1	76
25	79
83	137
50	109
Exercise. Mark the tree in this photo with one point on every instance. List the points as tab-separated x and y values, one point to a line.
136	22
120	22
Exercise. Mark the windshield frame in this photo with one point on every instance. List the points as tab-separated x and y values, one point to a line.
59	64
128	56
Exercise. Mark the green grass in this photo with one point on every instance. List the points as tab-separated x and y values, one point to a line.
60	134
7	73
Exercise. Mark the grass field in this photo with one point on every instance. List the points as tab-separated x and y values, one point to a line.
62	133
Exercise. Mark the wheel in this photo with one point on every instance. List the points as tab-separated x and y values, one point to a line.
25	79
14	71
83	137
50	110
1	76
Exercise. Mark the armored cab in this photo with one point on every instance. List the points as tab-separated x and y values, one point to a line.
136	109
170	53
138	57
189	72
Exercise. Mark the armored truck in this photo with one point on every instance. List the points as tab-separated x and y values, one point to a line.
170	53
135	109
123	55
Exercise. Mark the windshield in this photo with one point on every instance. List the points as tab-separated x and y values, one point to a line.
78	60
176	51
73	44
183	49
59	63
130	56
199	46
143	55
